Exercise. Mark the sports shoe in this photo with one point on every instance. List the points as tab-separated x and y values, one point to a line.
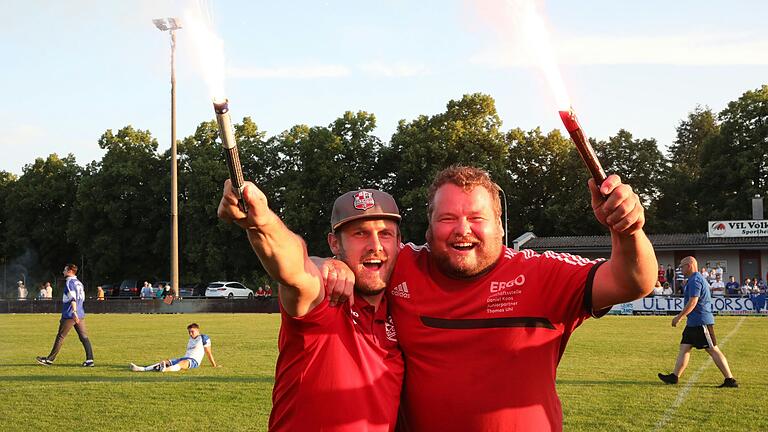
44	361
136	368
669	378
729	382
88	363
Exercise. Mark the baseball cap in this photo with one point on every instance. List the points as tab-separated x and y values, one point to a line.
363	203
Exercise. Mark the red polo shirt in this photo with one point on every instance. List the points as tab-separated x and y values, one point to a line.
482	355
339	369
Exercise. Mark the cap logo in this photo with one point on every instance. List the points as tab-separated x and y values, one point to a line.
364	200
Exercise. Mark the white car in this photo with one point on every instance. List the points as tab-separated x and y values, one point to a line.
228	290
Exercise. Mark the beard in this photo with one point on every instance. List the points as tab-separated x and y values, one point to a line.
484	256
368	282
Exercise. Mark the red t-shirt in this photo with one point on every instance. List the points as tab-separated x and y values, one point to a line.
482	355
339	369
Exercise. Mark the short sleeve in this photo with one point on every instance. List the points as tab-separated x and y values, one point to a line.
697	287
565	282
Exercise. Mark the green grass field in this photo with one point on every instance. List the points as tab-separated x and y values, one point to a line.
607	379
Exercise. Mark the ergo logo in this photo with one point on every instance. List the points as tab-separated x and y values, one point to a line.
498	286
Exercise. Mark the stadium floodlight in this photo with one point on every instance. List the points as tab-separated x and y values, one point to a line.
171	25
165	24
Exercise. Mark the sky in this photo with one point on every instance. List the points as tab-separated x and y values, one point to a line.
72	70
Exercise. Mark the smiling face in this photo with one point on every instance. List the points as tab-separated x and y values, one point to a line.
369	247
465	233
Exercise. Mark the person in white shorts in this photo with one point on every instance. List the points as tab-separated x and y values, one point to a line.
198	345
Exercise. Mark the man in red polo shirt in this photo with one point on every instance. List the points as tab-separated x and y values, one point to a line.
482	326
339	367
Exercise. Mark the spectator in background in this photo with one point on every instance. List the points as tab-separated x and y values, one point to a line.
712	275
705	272
732	287
667	289
658	290
260	292
670	275
759	283
22	290
48	290
99	293
679	281
718	287
268	292
746	288
758	299
41	293
719	270
662	275
163	291
146	291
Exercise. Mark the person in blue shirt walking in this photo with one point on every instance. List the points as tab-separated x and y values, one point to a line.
699	330
72	315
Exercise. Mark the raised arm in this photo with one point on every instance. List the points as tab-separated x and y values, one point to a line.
630	273
282	253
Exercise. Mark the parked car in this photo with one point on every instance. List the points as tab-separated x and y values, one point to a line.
132	287
185	290
111	289
192	289
228	289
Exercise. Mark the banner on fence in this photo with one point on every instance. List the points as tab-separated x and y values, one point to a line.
665	304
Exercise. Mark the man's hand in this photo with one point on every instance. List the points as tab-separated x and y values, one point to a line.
258	209
617	206
339	281
676	320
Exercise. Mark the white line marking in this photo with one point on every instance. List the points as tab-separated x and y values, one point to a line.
684	391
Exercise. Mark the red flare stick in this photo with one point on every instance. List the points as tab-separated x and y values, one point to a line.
582	145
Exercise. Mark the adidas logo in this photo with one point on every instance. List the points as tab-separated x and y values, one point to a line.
401	291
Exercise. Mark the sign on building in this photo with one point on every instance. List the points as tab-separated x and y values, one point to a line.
740	228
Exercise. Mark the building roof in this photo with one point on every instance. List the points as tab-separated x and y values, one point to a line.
661	242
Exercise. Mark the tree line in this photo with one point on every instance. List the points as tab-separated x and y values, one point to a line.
112	216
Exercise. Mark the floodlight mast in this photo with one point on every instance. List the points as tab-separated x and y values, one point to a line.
171	25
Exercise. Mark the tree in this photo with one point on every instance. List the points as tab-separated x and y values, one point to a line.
7	182
122	206
466	133
211	249
317	164
638	162
39	207
735	162
548	192
677	208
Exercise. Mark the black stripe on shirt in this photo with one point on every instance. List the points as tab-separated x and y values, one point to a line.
588	293
481	323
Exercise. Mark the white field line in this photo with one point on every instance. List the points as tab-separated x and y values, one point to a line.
694	378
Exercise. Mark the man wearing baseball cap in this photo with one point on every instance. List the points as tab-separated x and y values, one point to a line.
339	368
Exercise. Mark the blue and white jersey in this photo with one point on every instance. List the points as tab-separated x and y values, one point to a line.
73	291
196	347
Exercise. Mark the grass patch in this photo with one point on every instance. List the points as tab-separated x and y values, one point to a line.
606	380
